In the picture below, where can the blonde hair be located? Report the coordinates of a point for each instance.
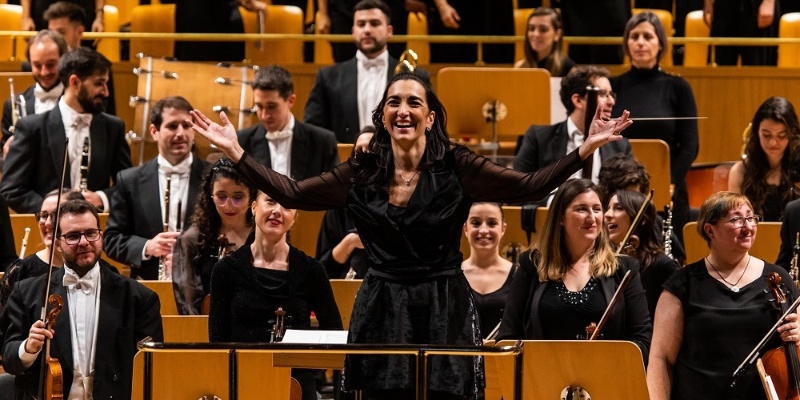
(551, 256)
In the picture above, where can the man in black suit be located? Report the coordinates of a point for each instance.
(542, 145)
(34, 162)
(280, 141)
(135, 229)
(344, 95)
(104, 315)
(43, 51)
(789, 229)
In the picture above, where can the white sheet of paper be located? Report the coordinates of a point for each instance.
(558, 112)
(314, 337)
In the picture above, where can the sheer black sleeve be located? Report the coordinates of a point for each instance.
(322, 192)
(487, 181)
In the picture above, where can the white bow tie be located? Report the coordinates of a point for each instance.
(81, 120)
(375, 62)
(180, 169)
(279, 135)
(84, 284)
(46, 96)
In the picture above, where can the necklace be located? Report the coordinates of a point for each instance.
(408, 181)
(734, 288)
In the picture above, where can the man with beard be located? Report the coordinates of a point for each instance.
(135, 232)
(43, 52)
(95, 335)
(344, 95)
(34, 162)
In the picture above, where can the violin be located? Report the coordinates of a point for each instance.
(630, 242)
(224, 246)
(783, 363)
(593, 330)
(631, 245)
(52, 376)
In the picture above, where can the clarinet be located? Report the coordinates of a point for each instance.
(162, 267)
(793, 271)
(666, 231)
(84, 184)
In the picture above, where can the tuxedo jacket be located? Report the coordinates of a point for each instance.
(135, 215)
(333, 101)
(30, 109)
(313, 149)
(129, 312)
(33, 166)
(543, 145)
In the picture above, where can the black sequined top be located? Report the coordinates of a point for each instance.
(565, 315)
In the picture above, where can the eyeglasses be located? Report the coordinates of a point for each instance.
(73, 238)
(605, 94)
(739, 221)
(42, 216)
(237, 199)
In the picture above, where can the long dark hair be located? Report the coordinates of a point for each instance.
(756, 165)
(649, 246)
(553, 62)
(205, 216)
(375, 168)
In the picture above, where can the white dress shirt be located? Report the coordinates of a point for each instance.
(371, 81)
(45, 101)
(574, 141)
(280, 148)
(76, 125)
(178, 192)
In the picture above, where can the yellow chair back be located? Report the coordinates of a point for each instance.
(521, 29)
(418, 25)
(110, 47)
(789, 54)
(11, 20)
(153, 18)
(280, 19)
(696, 54)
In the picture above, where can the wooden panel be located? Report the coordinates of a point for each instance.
(696, 54)
(259, 380)
(165, 294)
(11, 19)
(789, 54)
(345, 150)
(185, 328)
(209, 375)
(110, 47)
(153, 18)
(654, 155)
(22, 80)
(305, 231)
(765, 247)
(344, 292)
(280, 19)
(521, 29)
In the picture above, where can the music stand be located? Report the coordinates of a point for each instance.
(605, 369)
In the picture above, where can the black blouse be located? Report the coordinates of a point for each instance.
(490, 305)
(653, 278)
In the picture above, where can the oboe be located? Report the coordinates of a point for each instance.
(15, 112)
(24, 243)
(162, 268)
(666, 231)
(793, 271)
(85, 165)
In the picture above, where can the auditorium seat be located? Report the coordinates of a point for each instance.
(305, 231)
(521, 29)
(165, 294)
(654, 155)
(185, 328)
(280, 19)
(667, 20)
(323, 52)
(11, 20)
(107, 46)
(418, 25)
(789, 54)
(721, 173)
(125, 9)
(696, 54)
(155, 18)
(765, 247)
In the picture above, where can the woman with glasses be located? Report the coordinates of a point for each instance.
(713, 312)
(647, 91)
(543, 47)
(765, 172)
(221, 223)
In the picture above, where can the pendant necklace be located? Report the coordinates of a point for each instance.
(734, 288)
(408, 181)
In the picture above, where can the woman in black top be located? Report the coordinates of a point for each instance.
(222, 211)
(248, 287)
(489, 275)
(543, 45)
(566, 282)
(647, 91)
(655, 266)
(409, 198)
(713, 312)
(765, 173)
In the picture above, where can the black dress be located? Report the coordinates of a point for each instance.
(653, 278)
(655, 93)
(244, 299)
(490, 305)
(531, 312)
(208, 16)
(415, 291)
(720, 328)
(772, 209)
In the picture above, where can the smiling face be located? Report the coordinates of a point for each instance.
(174, 136)
(44, 63)
(774, 138)
(618, 221)
(542, 36)
(484, 227)
(406, 115)
(727, 238)
(82, 256)
(46, 224)
(91, 91)
(583, 219)
(370, 31)
(644, 46)
(231, 200)
(272, 220)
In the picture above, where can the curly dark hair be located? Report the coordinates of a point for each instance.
(205, 216)
(376, 167)
(649, 244)
(621, 171)
(756, 164)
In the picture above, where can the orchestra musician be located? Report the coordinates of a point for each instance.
(222, 209)
(105, 314)
(29, 171)
(543, 45)
(713, 312)
(248, 286)
(135, 234)
(568, 279)
(415, 277)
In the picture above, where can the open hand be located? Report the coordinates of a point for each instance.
(223, 136)
(450, 17)
(602, 132)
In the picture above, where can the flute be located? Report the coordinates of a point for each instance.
(84, 183)
(24, 243)
(162, 268)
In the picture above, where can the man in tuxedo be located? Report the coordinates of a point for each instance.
(43, 52)
(34, 162)
(296, 149)
(104, 315)
(344, 95)
(542, 145)
(135, 232)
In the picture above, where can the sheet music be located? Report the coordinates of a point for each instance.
(314, 337)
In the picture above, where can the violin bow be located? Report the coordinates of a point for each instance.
(635, 221)
(623, 284)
